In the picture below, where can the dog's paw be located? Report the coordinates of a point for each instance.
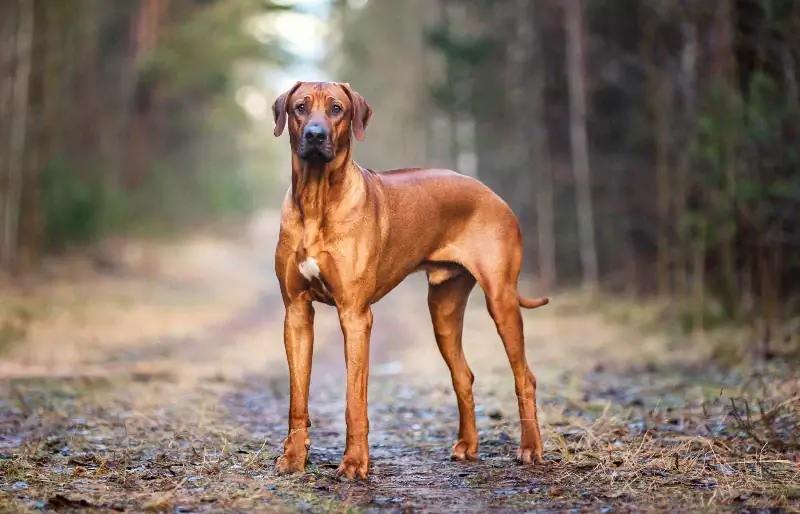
(463, 451)
(529, 456)
(288, 464)
(353, 466)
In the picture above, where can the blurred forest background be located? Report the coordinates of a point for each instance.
(649, 147)
(127, 116)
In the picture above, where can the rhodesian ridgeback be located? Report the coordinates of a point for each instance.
(350, 235)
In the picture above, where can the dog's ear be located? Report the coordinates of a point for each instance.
(362, 112)
(279, 109)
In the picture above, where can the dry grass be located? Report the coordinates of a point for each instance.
(169, 399)
(84, 447)
(113, 458)
(137, 446)
(708, 455)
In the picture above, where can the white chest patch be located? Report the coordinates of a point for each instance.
(309, 268)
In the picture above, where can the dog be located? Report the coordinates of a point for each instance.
(349, 235)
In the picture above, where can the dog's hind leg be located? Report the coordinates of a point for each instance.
(497, 272)
(447, 302)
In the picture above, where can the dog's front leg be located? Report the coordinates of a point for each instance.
(356, 325)
(298, 338)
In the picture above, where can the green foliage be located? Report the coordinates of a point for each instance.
(71, 206)
(170, 201)
(195, 166)
(747, 173)
(779, 14)
(772, 163)
(227, 194)
(750, 133)
(216, 31)
(462, 51)
(464, 55)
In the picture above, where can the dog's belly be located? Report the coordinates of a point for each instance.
(440, 272)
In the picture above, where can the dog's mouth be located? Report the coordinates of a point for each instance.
(316, 153)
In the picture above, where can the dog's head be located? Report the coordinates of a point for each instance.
(321, 116)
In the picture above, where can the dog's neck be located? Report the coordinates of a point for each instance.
(318, 186)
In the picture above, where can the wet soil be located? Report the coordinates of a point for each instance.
(189, 416)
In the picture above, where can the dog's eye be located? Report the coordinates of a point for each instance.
(301, 108)
(336, 109)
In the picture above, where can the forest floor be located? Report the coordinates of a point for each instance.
(162, 386)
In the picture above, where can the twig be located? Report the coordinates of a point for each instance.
(746, 426)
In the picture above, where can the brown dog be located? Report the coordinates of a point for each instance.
(350, 235)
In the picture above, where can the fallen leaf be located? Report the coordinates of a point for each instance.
(59, 502)
(85, 460)
(160, 503)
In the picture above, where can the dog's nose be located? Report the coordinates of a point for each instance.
(315, 134)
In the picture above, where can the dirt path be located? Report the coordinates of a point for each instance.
(173, 397)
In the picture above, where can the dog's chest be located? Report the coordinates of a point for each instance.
(313, 261)
(310, 270)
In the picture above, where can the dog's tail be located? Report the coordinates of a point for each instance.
(528, 303)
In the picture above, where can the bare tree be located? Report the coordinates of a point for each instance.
(726, 68)
(687, 87)
(8, 23)
(573, 20)
(452, 111)
(539, 152)
(18, 129)
(659, 94)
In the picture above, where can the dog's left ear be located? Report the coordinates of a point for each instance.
(362, 112)
(280, 107)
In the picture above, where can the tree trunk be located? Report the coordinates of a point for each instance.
(87, 131)
(18, 131)
(726, 67)
(657, 99)
(36, 151)
(688, 85)
(545, 226)
(699, 280)
(452, 111)
(769, 285)
(8, 27)
(580, 147)
(661, 100)
(538, 150)
(147, 23)
(490, 110)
